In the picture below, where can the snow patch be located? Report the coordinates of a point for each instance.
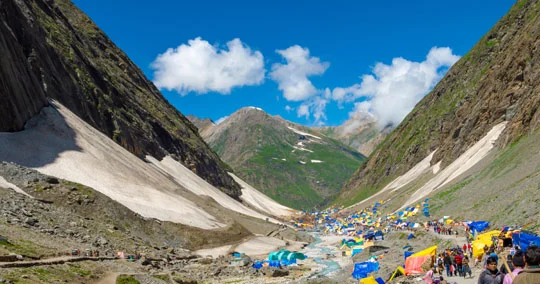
(303, 133)
(256, 108)
(199, 186)
(284, 159)
(302, 162)
(466, 161)
(316, 161)
(58, 143)
(436, 168)
(411, 175)
(301, 149)
(6, 184)
(260, 201)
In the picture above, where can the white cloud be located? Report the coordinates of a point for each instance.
(221, 120)
(303, 110)
(292, 78)
(393, 90)
(288, 108)
(315, 106)
(200, 67)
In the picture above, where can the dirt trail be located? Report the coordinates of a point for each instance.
(52, 261)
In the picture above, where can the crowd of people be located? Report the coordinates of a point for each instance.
(519, 267)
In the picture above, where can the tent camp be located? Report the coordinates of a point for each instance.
(413, 263)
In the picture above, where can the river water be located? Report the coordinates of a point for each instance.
(324, 253)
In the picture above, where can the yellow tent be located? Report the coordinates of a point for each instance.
(486, 237)
(429, 251)
(478, 248)
(369, 280)
(449, 221)
(483, 240)
(398, 272)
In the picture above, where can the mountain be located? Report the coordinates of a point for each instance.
(86, 136)
(469, 142)
(203, 125)
(292, 164)
(361, 132)
(51, 49)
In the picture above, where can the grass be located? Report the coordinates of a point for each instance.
(300, 186)
(126, 279)
(164, 277)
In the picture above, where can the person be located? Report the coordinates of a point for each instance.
(531, 273)
(442, 281)
(465, 248)
(440, 264)
(447, 263)
(465, 267)
(510, 265)
(518, 263)
(458, 259)
(491, 275)
(429, 276)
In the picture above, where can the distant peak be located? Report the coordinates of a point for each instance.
(255, 108)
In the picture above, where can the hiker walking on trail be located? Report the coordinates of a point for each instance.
(531, 273)
(518, 263)
(440, 264)
(459, 261)
(466, 268)
(491, 275)
(447, 263)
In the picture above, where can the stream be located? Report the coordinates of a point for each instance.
(318, 251)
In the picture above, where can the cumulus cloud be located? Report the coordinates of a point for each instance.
(200, 67)
(292, 77)
(315, 107)
(392, 91)
(288, 108)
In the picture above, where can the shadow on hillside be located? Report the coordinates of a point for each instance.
(45, 137)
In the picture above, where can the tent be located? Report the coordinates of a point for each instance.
(282, 255)
(524, 240)
(371, 280)
(413, 264)
(368, 280)
(398, 272)
(362, 269)
(478, 226)
(483, 240)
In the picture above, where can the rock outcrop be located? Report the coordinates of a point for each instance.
(51, 49)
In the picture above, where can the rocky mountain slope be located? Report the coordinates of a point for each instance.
(360, 132)
(51, 49)
(290, 163)
(488, 98)
(78, 111)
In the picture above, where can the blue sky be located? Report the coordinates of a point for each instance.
(312, 62)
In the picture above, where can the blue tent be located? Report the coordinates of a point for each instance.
(479, 226)
(408, 253)
(362, 269)
(524, 240)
